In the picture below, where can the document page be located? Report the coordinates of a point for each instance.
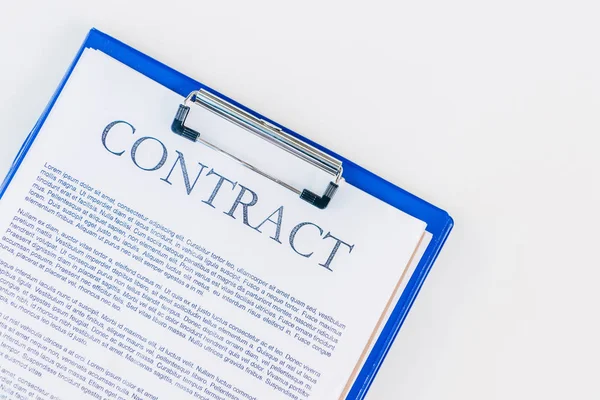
(135, 264)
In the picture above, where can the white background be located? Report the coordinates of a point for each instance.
(487, 109)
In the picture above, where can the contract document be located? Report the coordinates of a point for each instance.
(135, 264)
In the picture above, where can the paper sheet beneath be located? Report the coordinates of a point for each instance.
(396, 297)
(136, 264)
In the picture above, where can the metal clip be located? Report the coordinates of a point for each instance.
(267, 131)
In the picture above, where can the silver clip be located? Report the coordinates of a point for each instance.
(267, 131)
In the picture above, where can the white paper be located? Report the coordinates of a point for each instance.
(180, 282)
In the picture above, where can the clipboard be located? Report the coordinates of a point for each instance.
(439, 223)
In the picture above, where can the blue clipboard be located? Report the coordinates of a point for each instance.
(439, 223)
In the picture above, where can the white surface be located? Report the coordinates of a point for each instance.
(499, 104)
